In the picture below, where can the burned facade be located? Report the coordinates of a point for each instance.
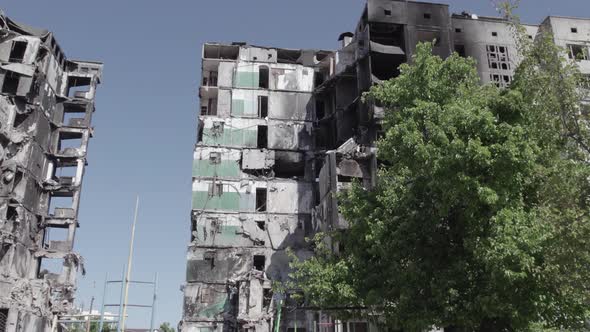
(46, 105)
(281, 131)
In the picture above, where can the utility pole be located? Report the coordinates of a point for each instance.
(89, 315)
(128, 275)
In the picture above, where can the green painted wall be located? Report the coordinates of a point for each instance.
(231, 137)
(241, 107)
(226, 168)
(226, 235)
(214, 309)
(228, 201)
(246, 79)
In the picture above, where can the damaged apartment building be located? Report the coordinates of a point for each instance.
(46, 105)
(281, 131)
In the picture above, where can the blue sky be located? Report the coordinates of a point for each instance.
(147, 105)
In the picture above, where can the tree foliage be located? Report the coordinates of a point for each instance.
(165, 327)
(480, 216)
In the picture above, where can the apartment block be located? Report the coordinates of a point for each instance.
(46, 107)
(282, 131)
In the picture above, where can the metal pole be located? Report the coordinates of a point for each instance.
(154, 302)
(121, 301)
(129, 259)
(89, 315)
(104, 294)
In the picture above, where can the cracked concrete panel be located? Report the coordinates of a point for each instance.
(231, 132)
(289, 197)
(290, 135)
(290, 106)
(249, 230)
(258, 54)
(205, 302)
(217, 162)
(246, 103)
(258, 159)
(225, 74)
(218, 195)
(291, 78)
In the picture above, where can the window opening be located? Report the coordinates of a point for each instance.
(387, 12)
(216, 189)
(263, 75)
(17, 53)
(494, 34)
(215, 157)
(11, 81)
(262, 137)
(259, 262)
(263, 106)
(498, 57)
(266, 297)
(260, 199)
(427, 16)
(574, 30)
(577, 52)
(460, 49)
(320, 110)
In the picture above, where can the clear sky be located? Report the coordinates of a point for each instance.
(147, 105)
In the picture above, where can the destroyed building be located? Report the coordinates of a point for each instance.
(281, 131)
(46, 106)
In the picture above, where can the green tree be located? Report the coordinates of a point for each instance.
(479, 220)
(165, 327)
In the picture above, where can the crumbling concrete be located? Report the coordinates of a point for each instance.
(282, 131)
(46, 105)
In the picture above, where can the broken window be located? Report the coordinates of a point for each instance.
(73, 115)
(501, 81)
(577, 52)
(215, 158)
(78, 86)
(3, 319)
(262, 137)
(263, 77)
(460, 49)
(210, 79)
(10, 85)
(69, 140)
(429, 36)
(210, 258)
(215, 189)
(49, 267)
(17, 53)
(498, 57)
(209, 107)
(261, 224)
(260, 199)
(263, 106)
(266, 297)
(259, 262)
(60, 202)
(320, 110)
(318, 79)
